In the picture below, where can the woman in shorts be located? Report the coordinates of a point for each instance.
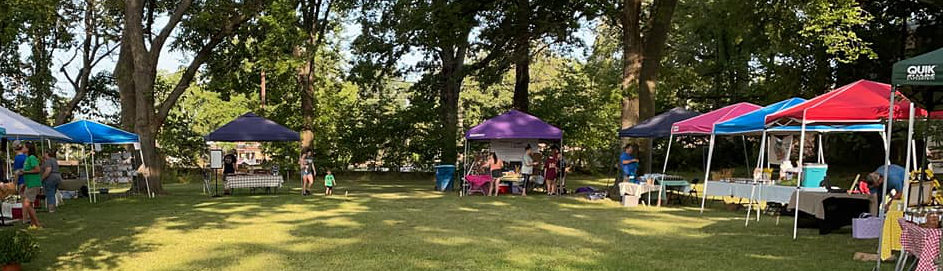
(307, 171)
(33, 183)
(496, 166)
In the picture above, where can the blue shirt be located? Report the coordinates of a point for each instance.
(895, 179)
(630, 168)
(18, 161)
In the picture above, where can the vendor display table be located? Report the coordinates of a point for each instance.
(253, 181)
(728, 189)
(627, 188)
(832, 211)
(921, 242)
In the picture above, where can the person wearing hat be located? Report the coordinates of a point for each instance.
(895, 180)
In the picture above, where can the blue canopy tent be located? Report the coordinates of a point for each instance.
(88, 132)
(252, 128)
(749, 123)
(658, 126)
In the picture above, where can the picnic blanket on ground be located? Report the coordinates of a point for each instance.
(924, 243)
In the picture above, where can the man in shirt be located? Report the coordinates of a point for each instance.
(629, 163)
(229, 168)
(895, 180)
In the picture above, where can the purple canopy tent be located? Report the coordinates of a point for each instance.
(513, 125)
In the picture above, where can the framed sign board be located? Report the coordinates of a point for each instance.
(216, 159)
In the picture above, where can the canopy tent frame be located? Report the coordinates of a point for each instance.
(506, 127)
(658, 126)
(713, 117)
(916, 71)
(93, 139)
(233, 132)
(749, 123)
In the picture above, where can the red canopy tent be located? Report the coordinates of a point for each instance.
(861, 101)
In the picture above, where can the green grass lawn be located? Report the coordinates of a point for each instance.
(404, 225)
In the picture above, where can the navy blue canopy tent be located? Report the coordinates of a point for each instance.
(660, 125)
(88, 132)
(252, 128)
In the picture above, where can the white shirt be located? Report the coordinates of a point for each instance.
(527, 166)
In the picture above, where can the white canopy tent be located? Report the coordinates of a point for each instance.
(20, 127)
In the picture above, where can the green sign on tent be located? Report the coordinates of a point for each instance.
(922, 70)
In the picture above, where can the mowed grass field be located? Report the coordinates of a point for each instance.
(404, 225)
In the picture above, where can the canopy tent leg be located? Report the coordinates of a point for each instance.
(92, 177)
(88, 178)
(147, 171)
(465, 168)
(910, 153)
(746, 156)
(750, 205)
(761, 157)
(664, 168)
(887, 163)
(821, 153)
(795, 223)
(561, 176)
(9, 163)
(707, 172)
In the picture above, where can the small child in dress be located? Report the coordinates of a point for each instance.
(329, 184)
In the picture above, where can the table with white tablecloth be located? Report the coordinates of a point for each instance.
(763, 192)
(254, 181)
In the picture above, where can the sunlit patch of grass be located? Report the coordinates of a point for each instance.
(403, 225)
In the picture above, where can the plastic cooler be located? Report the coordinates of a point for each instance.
(443, 177)
(813, 174)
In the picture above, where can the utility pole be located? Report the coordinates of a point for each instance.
(263, 92)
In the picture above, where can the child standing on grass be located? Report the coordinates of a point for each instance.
(329, 184)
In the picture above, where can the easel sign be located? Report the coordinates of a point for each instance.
(216, 159)
(216, 162)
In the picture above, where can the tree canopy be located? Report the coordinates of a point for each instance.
(392, 84)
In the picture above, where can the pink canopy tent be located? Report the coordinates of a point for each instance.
(704, 123)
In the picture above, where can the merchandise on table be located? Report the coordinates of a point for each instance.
(117, 169)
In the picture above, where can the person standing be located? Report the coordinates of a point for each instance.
(629, 164)
(33, 183)
(496, 166)
(51, 179)
(527, 169)
(229, 168)
(308, 171)
(329, 184)
(18, 161)
(551, 170)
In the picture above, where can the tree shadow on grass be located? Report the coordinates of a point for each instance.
(405, 226)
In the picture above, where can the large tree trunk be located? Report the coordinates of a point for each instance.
(631, 59)
(452, 75)
(40, 80)
(653, 49)
(137, 69)
(522, 56)
(307, 105)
